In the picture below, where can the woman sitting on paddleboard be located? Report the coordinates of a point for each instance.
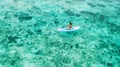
(70, 25)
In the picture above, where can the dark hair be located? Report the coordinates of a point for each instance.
(70, 23)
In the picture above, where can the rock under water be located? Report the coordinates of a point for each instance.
(29, 35)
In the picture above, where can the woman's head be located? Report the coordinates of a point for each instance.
(70, 23)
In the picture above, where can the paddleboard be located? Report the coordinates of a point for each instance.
(68, 30)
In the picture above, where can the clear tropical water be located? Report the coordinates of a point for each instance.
(29, 36)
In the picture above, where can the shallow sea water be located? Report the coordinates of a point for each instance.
(29, 36)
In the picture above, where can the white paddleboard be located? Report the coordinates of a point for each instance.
(68, 30)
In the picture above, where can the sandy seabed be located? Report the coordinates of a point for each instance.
(29, 36)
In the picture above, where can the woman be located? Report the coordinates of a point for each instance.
(70, 25)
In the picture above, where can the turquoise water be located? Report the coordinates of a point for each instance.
(29, 36)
